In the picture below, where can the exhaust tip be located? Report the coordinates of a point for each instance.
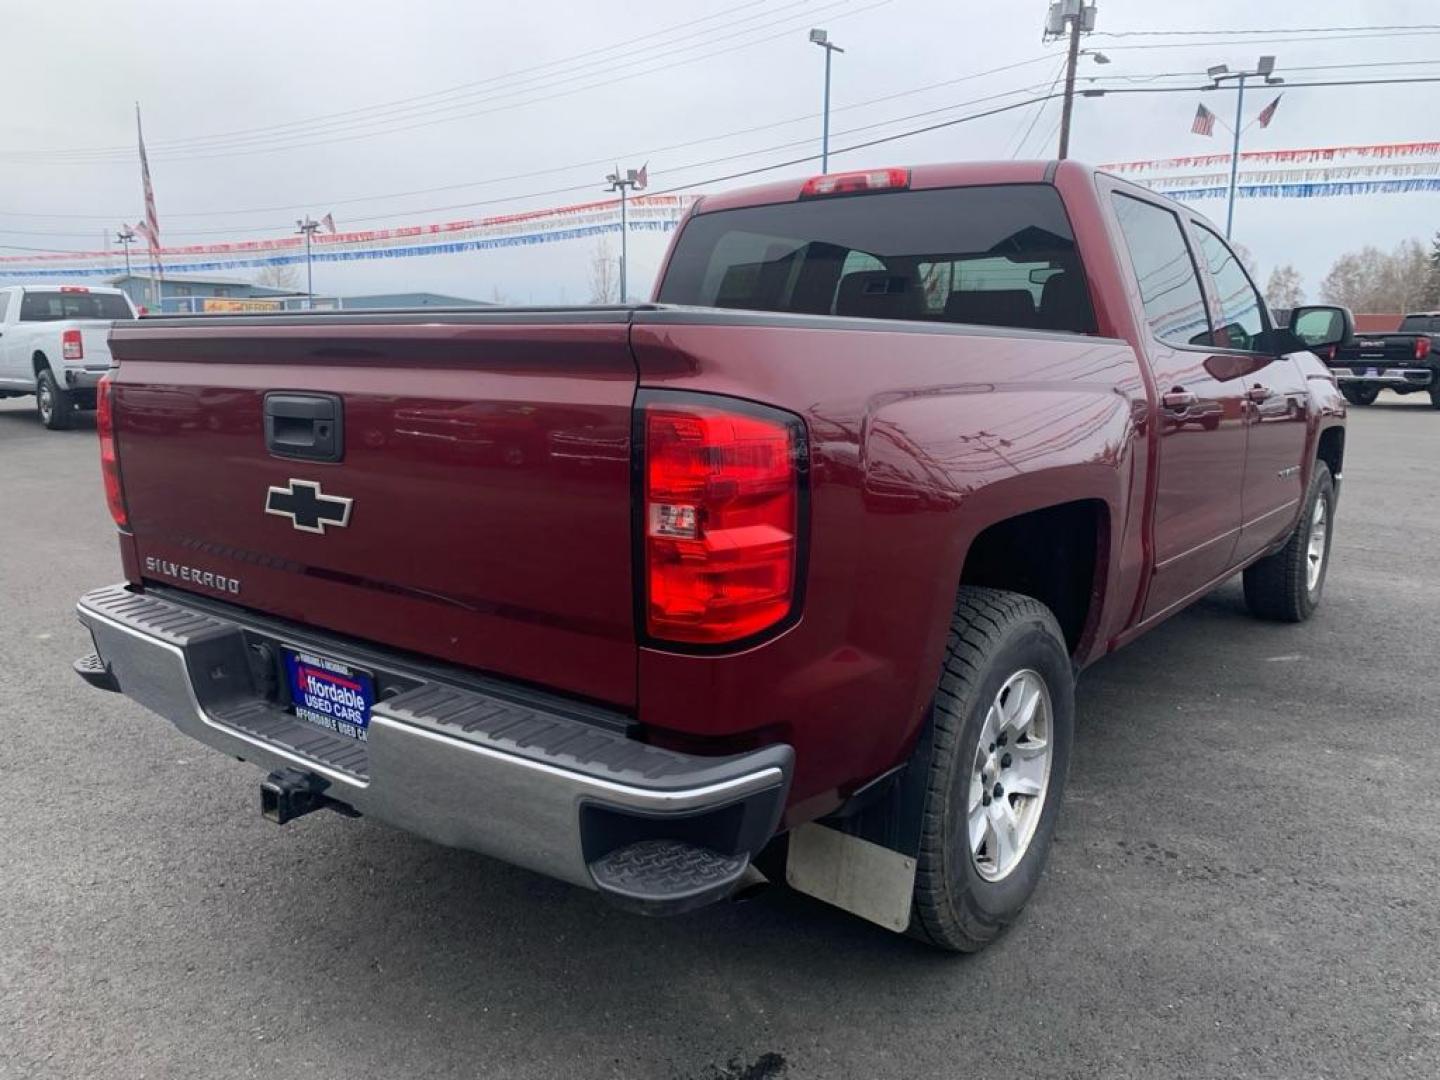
(751, 884)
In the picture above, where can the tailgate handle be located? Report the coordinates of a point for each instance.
(310, 427)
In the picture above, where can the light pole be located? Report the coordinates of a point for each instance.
(126, 237)
(1218, 74)
(308, 227)
(821, 38)
(632, 180)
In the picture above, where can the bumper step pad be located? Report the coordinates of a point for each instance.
(93, 670)
(667, 877)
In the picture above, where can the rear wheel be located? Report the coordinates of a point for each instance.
(1286, 586)
(1435, 390)
(1360, 395)
(53, 405)
(1002, 717)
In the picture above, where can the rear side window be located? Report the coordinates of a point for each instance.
(1165, 272)
(53, 306)
(1420, 324)
(999, 256)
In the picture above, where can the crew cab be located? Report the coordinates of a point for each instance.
(53, 344)
(1407, 361)
(792, 568)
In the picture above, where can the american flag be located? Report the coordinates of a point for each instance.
(1268, 113)
(329, 222)
(1204, 121)
(151, 227)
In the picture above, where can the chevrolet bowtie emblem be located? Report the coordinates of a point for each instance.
(307, 507)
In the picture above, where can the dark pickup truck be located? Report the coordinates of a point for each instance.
(794, 566)
(1407, 361)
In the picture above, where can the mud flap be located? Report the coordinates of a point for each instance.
(855, 875)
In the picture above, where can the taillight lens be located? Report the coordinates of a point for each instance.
(109, 461)
(72, 346)
(722, 490)
(1422, 348)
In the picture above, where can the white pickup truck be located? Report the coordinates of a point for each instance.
(53, 345)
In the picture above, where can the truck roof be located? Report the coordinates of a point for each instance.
(952, 174)
(61, 286)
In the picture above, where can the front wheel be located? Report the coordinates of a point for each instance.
(1002, 719)
(52, 404)
(1360, 395)
(1286, 586)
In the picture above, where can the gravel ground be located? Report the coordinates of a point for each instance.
(1245, 882)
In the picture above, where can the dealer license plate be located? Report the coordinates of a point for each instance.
(330, 694)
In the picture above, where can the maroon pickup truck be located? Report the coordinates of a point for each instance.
(796, 564)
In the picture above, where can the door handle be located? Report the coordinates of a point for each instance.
(310, 427)
(1178, 400)
(1257, 394)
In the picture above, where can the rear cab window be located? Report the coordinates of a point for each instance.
(1001, 255)
(1420, 324)
(47, 306)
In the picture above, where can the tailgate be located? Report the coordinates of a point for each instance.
(95, 337)
(1379, 350)
(486, 460)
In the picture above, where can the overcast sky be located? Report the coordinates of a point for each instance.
(550, 97)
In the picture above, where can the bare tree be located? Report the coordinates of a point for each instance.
(1284, 289)
(1242, 253)
(281, 276)
(604, 274)
(1371, 280)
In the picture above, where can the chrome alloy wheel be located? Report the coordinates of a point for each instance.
(1010, 776)
(1315, 550)
(45, 401)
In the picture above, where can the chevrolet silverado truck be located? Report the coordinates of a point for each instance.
(793, 566)
(53, 345)
(1407, 361)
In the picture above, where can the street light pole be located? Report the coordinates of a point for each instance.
(631, 180)
(308, 227)
(126, 237)
(822, 38)
(1220, 73)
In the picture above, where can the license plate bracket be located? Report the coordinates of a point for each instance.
(330, 694)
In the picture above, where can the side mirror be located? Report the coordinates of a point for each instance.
(1322, 325)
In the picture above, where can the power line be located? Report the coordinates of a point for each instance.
(343, 130)
(894, 137)
(1272, 30)
(1271, 41)
(1059, 74)
(554, 169)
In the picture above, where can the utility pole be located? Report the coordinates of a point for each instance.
(1264, 68)
(632, 180)
(1072, 18)
(822, 38)
(126, 237)
(308, 227)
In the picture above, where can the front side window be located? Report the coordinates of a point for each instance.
(1165, 272)
(1001, 255)
(1241, 320)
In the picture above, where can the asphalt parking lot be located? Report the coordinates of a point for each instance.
(1246, 881)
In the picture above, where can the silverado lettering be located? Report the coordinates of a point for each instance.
(794, 566)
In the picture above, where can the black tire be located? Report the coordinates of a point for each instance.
(1435, 390)
(1278, 587)
(994, 636)
(1360, 395)
(52, 404)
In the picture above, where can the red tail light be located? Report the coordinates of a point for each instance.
(852, 183)
(109, 461)
(72, 345)
(722, 517)
(1422, 347)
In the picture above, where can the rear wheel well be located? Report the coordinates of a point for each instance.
(39, 362)
(1332, 449)
(1051, 555)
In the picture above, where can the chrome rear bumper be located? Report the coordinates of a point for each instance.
(535, 781)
